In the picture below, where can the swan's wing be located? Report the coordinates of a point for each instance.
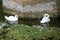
(43, 20)
(48, 20)
(11, 16)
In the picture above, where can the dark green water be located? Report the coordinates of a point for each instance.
(55, 21)
(36, 21)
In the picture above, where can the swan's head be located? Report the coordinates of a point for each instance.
(46, 15)
(16, 16)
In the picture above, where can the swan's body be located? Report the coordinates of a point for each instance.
(45, 19)
(12, 19)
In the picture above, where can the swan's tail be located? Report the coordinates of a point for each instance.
(6, 17)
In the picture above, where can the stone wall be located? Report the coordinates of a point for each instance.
(29, 6)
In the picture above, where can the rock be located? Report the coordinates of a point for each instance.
(29, 6)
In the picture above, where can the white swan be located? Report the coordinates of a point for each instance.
(12, 19)
(45, 19)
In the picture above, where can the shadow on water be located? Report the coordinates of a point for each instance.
(29, 21)
(58, 6)
(36, 21)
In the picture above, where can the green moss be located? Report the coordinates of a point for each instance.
(28, 33)
(25, 32)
